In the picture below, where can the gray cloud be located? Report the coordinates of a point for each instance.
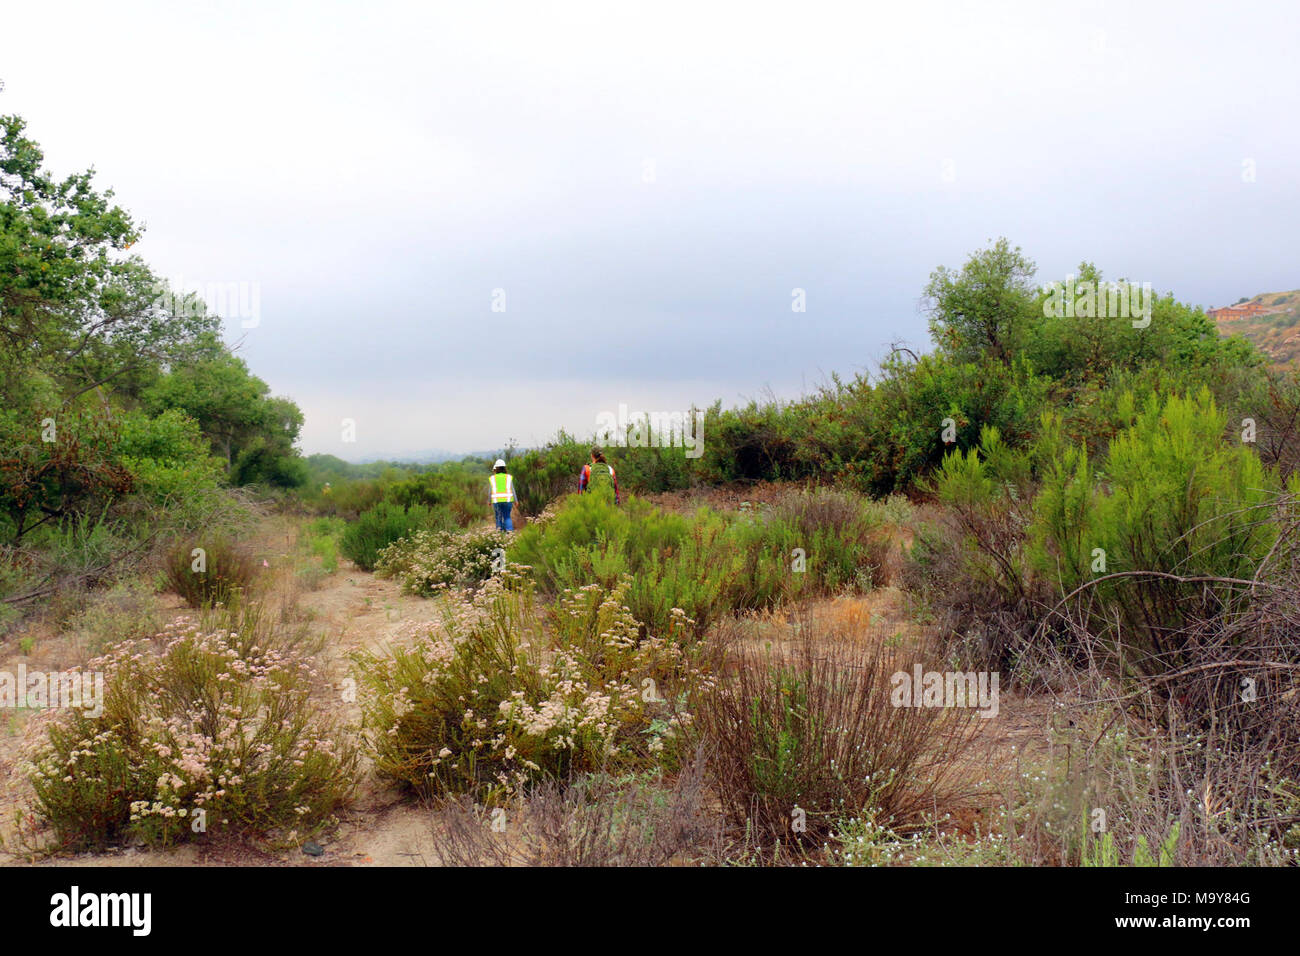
(649, 182)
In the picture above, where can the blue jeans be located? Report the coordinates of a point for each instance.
(501, 509)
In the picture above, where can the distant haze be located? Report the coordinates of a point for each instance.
(648, 183)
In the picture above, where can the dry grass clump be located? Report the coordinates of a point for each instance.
(803, 737)
(208, 571)
(593, 820)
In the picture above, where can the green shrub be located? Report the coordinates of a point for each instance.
(674, 562)
(347, 499)
(199, 739)
(75, 555)
(842, 537)
(326, 527)
(327, 550)
(379, 527)
(703, 577)
(319, 539)
(580, 522)
(1175, 502)
(653, 468)
(167, 455)
(760, 442)
(493, 700)
(705, 564)
(318, 546)
(452, 488)
(1102, 851)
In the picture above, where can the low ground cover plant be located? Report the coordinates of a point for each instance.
(208, 736)
(500, 694)
(427, 562)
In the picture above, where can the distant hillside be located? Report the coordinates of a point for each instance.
(332, 468)
(1271, 320)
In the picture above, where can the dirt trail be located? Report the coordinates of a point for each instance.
(360, 612)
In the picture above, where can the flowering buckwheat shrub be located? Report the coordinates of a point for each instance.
(431, 561)
(501, 695)
(202, 738)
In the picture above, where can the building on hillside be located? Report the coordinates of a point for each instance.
(1230, 313)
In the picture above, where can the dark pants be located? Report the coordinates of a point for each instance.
(501, 509)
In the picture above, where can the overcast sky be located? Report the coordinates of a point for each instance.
(648, 183)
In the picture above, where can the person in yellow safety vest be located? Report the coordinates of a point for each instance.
(501, 492)
(599, 477)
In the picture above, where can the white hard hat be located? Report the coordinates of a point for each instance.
(500, 463)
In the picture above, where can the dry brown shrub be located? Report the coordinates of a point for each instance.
(811, 726)
(593, 820)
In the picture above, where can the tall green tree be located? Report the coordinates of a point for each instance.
(76, 311)
(983, 310)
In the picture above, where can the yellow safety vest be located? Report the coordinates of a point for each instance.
(503, 487)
